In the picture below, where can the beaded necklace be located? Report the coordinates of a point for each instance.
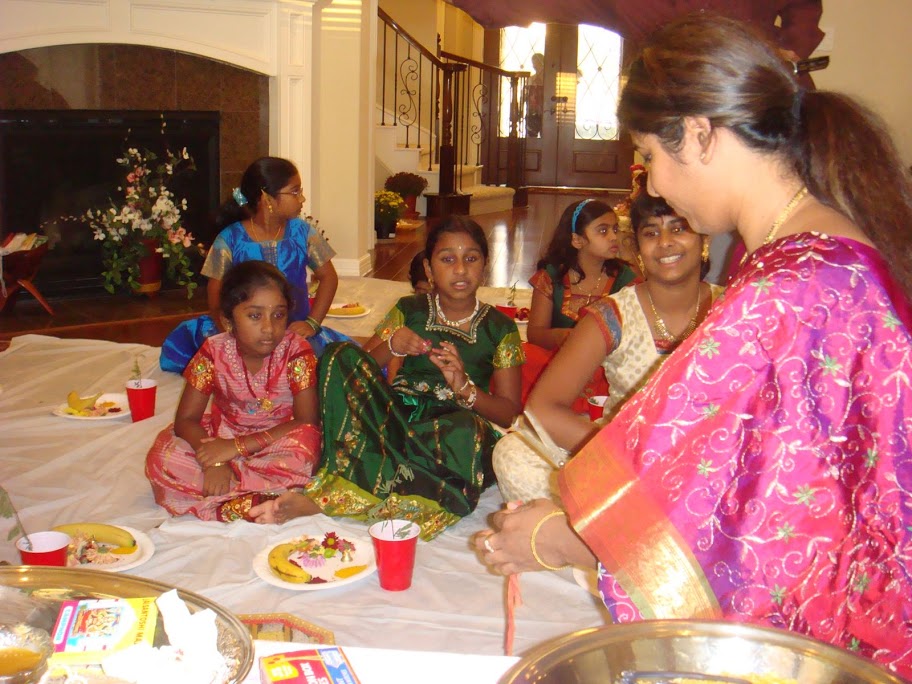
(461, 321)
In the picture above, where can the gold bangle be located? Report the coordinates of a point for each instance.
(535, 531)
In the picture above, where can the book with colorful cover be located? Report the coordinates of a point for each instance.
(88, 630)
(327, 665)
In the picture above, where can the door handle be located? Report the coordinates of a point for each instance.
(560, 98)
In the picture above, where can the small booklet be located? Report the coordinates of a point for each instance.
(88, 630)
(325, 665)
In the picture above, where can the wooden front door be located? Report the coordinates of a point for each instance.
(572, 137)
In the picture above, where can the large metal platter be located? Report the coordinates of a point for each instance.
(53, 585)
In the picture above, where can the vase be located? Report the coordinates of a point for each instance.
(151, 267)
(385, 228)
(410, 212)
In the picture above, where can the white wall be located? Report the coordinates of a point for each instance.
(871, 59)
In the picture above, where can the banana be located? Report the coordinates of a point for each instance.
(348, 310)
(284, 568)
(122, 541)
(77, 403)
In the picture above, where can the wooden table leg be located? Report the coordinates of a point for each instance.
(27, 284)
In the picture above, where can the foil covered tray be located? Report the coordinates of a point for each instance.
(42, 589)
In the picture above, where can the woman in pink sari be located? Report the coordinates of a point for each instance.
(261, 436)
(764, 475)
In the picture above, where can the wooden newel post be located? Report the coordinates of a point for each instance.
(447, 151)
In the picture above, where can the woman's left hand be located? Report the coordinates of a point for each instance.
(506, 548)
(446, 358)
(302, 328)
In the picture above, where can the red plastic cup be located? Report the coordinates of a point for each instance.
(47, 548)
(141, 397)
(395, 542)
(509, 310)
(597, 407)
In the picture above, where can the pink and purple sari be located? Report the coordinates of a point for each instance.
(765, 473)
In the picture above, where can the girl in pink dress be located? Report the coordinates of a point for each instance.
(261, 436)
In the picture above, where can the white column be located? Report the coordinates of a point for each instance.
(343, 145)
(291, 90)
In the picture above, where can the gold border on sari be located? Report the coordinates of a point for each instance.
(633, 538)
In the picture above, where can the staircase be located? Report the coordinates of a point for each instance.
(438, 116)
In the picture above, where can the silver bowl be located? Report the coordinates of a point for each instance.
(651, 651)
(30, 639)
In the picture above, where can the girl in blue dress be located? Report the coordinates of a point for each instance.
(262, 222)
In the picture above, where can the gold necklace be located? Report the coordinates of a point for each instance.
(662, 329)
(461, 321)
(262, 231)
(265, 403)
(777, 224)
(593, 293)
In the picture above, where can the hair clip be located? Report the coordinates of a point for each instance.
(239, 197)
(576, 213)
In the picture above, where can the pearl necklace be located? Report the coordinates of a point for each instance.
(454, 324)
(662, 329)
(777, 224)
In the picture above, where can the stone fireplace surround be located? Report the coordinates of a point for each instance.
(294, 46)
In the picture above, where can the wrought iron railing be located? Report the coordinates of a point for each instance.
(450, 108)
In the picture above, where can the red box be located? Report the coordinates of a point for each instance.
(326, 665)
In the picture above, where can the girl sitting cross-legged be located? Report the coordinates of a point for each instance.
(436, 420)
(262, 435)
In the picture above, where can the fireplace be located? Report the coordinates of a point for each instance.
(55, 164)
(66, 112)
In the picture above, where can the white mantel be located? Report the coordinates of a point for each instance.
(319, 55)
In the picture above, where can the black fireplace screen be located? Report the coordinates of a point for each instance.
(56, 164)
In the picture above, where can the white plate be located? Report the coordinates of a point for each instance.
(120, 400)
(342, 317)
(363, 555)
(144, 550)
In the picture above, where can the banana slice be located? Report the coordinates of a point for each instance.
(354, 309)
(283, 568)
(77, 403)
(121, 541)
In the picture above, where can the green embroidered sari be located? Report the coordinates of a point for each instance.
(371, 427)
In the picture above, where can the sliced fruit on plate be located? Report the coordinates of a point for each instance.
(78, 403)
(352, 309)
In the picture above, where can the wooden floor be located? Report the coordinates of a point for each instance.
(515, 239)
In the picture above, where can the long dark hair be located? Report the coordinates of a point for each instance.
(561, 254)
(455, 223)
(269, 174)
(718, 68)
(243, 279)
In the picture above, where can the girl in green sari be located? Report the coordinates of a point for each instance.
(422, 442)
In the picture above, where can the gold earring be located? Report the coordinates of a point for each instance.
(641, 265)
(704, 256)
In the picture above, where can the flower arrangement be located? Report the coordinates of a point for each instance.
(383, 511)
(388, 206)
(147, 219)
(406, 184)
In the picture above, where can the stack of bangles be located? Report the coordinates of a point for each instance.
(312, 322)
(389, 343)
(535, 532)
(469, 401)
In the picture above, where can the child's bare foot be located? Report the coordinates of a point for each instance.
(286, 507)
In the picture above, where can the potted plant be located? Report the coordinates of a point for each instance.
(388, 207)
(142, 234)
(409, 186)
